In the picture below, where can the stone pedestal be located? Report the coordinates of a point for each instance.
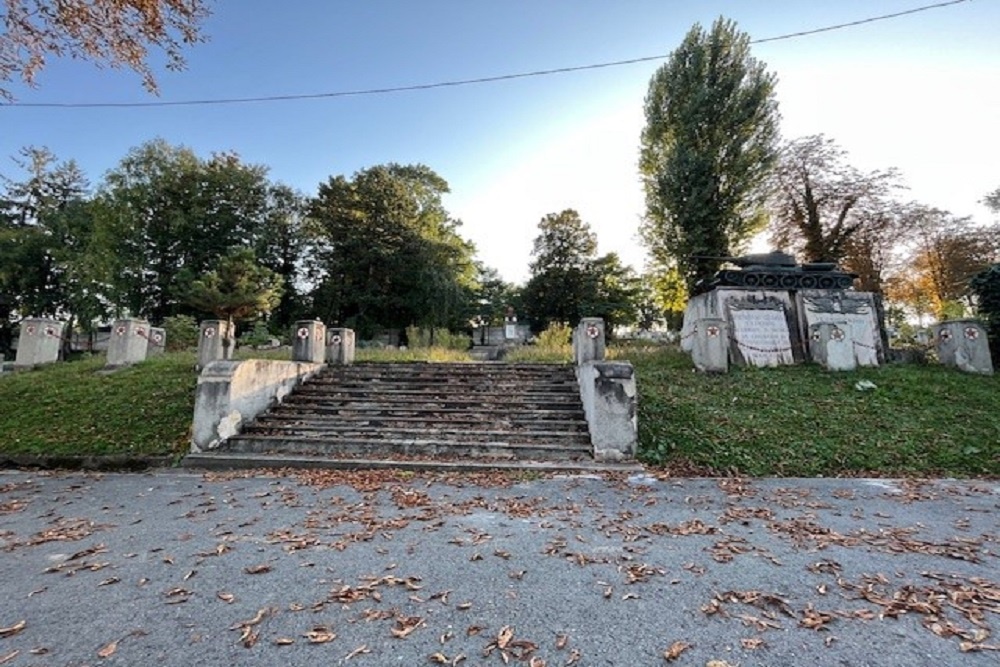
(309, 341)
(216, 342)
(340, 347)
(831, 345)
(963, 344)
(129, 342)
(39, 342)
(710, 345)
(157, 341)
(588, 340)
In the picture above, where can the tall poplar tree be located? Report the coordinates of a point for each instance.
(707, 148)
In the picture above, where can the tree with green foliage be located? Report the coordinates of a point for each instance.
(281, 246)
(238, 289)
(386, 254)
(569, 281)
(707, 149)
(985, 286)
(562, 255)
(163, 210)
(47, 260)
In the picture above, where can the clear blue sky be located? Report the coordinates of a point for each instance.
(919, 92)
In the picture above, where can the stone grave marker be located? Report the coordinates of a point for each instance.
(129, 342)
(39, 343)
(710, 348)
(832, 345)
(856, 310)
(963, 344)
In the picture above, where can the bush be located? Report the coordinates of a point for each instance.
(557, 337)
(421, 338)
(258, 335)
(182, 332)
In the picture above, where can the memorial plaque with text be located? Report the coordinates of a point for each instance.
(761, 335)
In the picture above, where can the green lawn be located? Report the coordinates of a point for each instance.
(802, 420)
(68, 409)
(920, 420)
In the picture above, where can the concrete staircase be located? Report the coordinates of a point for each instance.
(421, 415)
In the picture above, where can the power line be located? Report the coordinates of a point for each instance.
(455, 83)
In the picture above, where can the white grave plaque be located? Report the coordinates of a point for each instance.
(761, 335)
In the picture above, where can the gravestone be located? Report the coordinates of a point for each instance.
(588, 340)
(157, 341)
(215, 342)
(309, 341)
(831, 344)
(129, 342)
(40, 341)
(340, 347)
(710, 345)
(855, 310)
(963, 344)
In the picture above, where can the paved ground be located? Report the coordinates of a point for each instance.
(386, 569)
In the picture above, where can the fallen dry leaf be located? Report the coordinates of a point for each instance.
(283, 641)
(406, 625)
(504, 636)
(675, 650)
(718, 663)
(561, 641)
(13, 630)
(574, 657)
(10, 656)
(226, 597)
(257, 569)
(536, 662)
(358, 651)
(439, 658)
(752, 643)
(320, 635)
(108, 650)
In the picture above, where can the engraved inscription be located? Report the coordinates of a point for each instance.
(762, 336)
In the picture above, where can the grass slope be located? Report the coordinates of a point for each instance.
(804, 421)
(794, 421)
(71, 408)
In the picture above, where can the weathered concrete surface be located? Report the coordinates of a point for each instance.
(231, 393)
(129, 342)
(710, 346)
(216, 342)
(964, 344)
(309, 341)
(340, 346)
(768, 572)
(610, 402)
(589, 340)
(39, 342)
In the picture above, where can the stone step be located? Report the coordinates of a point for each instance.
(221, 460)
(346, 430)
(388, 447)
(548, 420)
(466, 384)
(377, 400)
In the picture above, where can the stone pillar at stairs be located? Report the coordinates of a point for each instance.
(340, 347)
(309, 341)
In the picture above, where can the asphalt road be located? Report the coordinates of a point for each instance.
(363, 569)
